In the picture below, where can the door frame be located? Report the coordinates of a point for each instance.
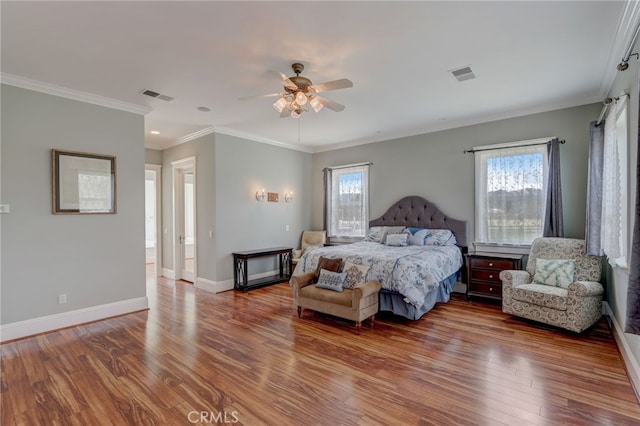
(178, 168)
(158, 187)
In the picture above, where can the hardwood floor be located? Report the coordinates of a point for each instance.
(245, 358)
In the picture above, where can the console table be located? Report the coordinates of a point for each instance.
(241, 265)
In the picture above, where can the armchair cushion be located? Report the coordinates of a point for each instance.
(554, 272)
(331, 280)
(332, 265)
(356, 274)
(542, 295)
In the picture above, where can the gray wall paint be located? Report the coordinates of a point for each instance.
(93, 259)
(203, 150)
(152, 156)
(617, 278)
(242, 223)
(433, 165)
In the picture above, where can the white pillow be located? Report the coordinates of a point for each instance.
(417, 239)
(440, 237)
(397, 240)
(331, 280)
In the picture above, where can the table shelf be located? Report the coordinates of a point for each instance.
(241, 259)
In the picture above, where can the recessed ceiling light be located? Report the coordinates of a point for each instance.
(204, 109)
(154, 132)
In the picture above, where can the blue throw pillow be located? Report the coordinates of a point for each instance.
(331, 280)
(414, 230)
(417, 239)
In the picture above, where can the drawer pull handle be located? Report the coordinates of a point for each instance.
(490, 263)
(490, 288)
(490, 276)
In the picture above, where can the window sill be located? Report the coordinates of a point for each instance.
(496, 248)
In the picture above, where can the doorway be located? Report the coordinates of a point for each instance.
(153, 237)
(184, 214)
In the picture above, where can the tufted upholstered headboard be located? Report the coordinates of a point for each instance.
(417, 212)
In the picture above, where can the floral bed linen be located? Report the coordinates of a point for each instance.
(413, 271)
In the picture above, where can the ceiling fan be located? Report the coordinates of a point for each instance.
(300, 94)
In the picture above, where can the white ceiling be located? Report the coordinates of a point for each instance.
(528, 57)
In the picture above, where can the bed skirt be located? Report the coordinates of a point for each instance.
(393, 301)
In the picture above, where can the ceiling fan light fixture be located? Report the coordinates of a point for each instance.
(280, 104)
(315, 104)
(301, 98)
(296, 113)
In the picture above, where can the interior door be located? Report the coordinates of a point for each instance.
(184, 208)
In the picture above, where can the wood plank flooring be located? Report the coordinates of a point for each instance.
(245, 358)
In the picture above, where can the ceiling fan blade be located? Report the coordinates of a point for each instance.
(330, 104)
(270, 95)
(287, 82)
(343, 83)
(285, 113)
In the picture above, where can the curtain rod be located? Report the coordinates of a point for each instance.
(607, 103)
(466, 151)
(348, 165)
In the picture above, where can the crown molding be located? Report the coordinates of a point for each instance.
(255, 138)
(629, 21)
(196, 135)
(76, 95)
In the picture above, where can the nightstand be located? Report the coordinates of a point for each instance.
(483, 274)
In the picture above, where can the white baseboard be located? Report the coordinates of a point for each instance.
(633, 369)
(20, 329)
(168, 273)
(214, 286)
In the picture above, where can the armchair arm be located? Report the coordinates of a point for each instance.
(512, 278)
(302, 280)
(297, 253)
(364, 290)
(585, 288)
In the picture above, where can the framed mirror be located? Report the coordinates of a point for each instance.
(83, 183)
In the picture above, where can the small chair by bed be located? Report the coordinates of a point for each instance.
(309, 239)
(573, 303)
(355, 304)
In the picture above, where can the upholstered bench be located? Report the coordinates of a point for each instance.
(355, 304)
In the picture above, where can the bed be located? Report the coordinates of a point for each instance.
(413, 278)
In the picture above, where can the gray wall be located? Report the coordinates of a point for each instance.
(93, 259)
(242, 223)
(229, 171)
(152, 156)
(434, 166)
(203, 150)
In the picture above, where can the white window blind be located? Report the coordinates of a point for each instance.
(347, 201)
(614, 232)
(511, 186)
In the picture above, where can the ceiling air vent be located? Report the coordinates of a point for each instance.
(156, 95)
(463, 74)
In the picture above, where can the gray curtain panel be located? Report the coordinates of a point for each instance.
(594, 190)
(633, 291)
(553, 225)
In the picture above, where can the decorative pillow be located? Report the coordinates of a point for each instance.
(417, 239)
(356, 274)
(414, 230)
(331, 280)
(439, 237)
(332, 265)
(397, 240)
(376, 234)
(558, 273)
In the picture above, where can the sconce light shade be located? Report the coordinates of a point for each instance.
(260, 194)
(288, 197)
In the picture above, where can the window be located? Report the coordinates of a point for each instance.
(347, 201)
(614, 232)
(511, 187)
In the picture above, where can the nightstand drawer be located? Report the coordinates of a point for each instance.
(499, 264)
(485, 275)
(485, 289)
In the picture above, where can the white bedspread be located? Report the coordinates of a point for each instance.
(413, 271)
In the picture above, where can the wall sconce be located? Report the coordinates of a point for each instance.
(288, 197)
(260, 194)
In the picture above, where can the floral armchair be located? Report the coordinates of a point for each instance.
(574, 304)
